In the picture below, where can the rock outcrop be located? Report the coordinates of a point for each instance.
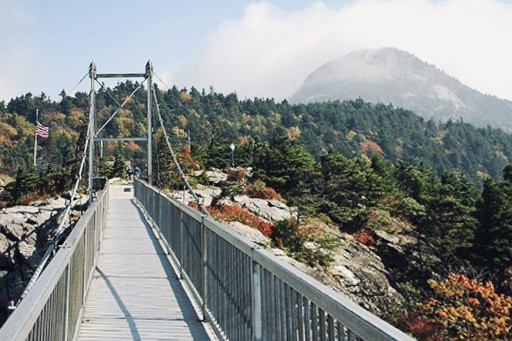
(24, 234)
(270, 210)
(357, 272)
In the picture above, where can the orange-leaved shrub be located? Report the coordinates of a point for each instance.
(258, 189)
(187, 162)
(469, 309)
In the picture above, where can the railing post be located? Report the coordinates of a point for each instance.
(182, 240)
(256, 300)
(66, 316)
(84, 269)
(204, 251)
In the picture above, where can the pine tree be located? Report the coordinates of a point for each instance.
(453, 218)
(286, 163)
(493, 238)
(119, 169)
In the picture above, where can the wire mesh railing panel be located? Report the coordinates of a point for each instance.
(229, 287)
(191, 259)
(76, 281)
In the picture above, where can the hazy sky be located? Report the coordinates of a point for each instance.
(255, 48)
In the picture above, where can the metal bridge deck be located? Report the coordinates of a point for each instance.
(135, 294)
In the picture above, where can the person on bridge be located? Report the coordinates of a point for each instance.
(129, 171)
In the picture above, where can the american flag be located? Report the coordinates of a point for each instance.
(41, 130)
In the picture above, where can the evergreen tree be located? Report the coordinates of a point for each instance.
(493, 238)
(349, 187)
(286, 163)
(453, 218)
(119, 168)
(162, 174)
(25, 183)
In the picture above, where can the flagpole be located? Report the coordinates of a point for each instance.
(35, 139)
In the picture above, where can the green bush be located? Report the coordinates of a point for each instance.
(307, 243)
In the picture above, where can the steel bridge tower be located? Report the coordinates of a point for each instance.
(94, 134)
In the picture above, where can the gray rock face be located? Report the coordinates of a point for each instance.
(21, 210)
(216, 176)
(206, 195)
(271, 210)
(359, 274)
(249, 233)
(24, 231)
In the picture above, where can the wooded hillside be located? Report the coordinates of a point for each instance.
(361, 167)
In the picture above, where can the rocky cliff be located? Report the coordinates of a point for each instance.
(357, 271)
(24, 234)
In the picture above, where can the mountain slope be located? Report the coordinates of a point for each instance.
(388, 75)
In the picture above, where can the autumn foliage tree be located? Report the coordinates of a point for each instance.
(468, 309)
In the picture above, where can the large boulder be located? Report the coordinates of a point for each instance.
(216, 176)
(205, 195)
(29, 254)
(249, 233)
(270, 210)
(13, 231)
(359, 273)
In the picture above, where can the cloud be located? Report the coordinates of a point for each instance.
(269, 52)
(18, 54)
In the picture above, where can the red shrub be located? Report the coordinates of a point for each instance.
(421, 327)
(236, 213)
(29, 198)
(371, 145)
(365, 237)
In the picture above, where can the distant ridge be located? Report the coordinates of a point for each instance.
(389, 75)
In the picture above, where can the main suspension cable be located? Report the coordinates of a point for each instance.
(60, 229)
(79, 82)
(175, 159)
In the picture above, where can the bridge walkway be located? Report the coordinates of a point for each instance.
(135, 294)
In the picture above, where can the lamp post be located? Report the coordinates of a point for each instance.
(232, 147)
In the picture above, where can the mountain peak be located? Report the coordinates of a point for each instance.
(390, 75)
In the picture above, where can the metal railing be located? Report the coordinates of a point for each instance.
(245, 291)
(52, 308)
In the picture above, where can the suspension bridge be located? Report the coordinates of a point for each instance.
(139, 265)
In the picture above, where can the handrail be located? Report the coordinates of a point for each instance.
(248, 293)
(52, 308)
